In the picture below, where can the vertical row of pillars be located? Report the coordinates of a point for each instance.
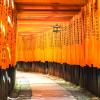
(7, 81)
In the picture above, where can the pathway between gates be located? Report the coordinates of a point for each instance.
(35, 86)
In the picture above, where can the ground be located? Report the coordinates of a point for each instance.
(35, 86)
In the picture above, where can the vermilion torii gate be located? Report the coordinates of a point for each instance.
(32, 45)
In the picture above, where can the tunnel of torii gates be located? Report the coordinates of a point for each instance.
(56, 37)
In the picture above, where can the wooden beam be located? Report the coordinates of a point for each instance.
(48, 7)
(44, 14)
(52, 1)
(47, 12)
(45, 19)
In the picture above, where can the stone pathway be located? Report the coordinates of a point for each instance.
(34, 86)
